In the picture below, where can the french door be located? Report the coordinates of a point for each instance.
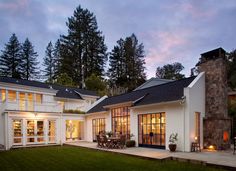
(98, 126)
(152, 130)
(17, 132)
(35, 132)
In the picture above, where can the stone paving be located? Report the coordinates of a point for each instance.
(215, 158)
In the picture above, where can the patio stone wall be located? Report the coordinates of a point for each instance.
(216, 120)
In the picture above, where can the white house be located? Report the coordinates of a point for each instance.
(152, 114)
(35, 113)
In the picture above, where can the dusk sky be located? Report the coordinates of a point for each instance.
(171, 31)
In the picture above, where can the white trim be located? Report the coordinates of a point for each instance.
(195, 80)
(155, 104)
(19, 87)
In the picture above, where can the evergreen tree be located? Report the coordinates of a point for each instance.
(126, 67)
(57, 59)
(232, 69)
(10, 58)
(29, 69)
(48, 63)
(83, 50)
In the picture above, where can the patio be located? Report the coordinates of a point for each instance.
(224, 159)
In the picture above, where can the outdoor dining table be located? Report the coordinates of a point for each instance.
(113, 141)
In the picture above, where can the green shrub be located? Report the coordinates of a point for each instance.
(73, 111)
(130, 143)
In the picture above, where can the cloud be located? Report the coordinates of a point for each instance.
(173, 30)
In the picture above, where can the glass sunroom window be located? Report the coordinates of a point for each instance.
(3, 93)
(121, 121)
(11, 95)
(39, 98)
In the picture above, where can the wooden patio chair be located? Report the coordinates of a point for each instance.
(100, 145)
(122, 142)
(106, 142)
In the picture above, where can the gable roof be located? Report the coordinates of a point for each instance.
(62, 91)
(152, 82)
(170, 91)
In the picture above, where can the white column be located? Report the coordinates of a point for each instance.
(24, 131)
(6, 131)
(46, 130)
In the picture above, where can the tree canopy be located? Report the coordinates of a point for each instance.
(83, 51)
(10, 60)
(126, 63)
(170, 71)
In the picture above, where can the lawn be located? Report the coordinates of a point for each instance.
(75, 158)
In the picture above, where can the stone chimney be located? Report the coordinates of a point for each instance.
(216, 124)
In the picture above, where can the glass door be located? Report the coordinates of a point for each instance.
(152, 130)
(98, 126)
(17, 132)
(35, 131)
(51, 131)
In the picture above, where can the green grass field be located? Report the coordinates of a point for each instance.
(75, 158)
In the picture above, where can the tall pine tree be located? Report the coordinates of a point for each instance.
(83, 51)
(126, 67)
(57, 59)
(10, 58)
(29, 69)
(49, 63)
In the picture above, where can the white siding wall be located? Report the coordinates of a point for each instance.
(89, 130)
(174, 120)
(2, 137)
(195, 102)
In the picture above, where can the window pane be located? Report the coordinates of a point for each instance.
(11, 95)
(3, 92)
(39, 98)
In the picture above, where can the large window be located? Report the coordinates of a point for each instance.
(30, 102)
(22, 101)
(98, 126)
(74, 130)
(39, 98)
(17, 131)
(3, 93)
(152, 130)
(121, 121)
(11, 96)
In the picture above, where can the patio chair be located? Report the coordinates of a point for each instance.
(106, 142)
(99, 141)
(121, 143)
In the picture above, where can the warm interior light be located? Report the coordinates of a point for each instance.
(211, 147)
(195, 138)
(225, 136)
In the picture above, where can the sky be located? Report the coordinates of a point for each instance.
(171, 30)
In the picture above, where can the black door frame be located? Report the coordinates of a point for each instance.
(150, 145)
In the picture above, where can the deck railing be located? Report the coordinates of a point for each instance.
(26, 105)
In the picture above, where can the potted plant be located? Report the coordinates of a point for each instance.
(131, 142)
(172, 142)
(109, 133)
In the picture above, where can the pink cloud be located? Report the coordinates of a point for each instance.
(14, 5)
(161, 47)
(197, 11)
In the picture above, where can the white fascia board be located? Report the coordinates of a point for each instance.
(18, 87)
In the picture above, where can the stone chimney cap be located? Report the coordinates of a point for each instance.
(213, 54)
(216, 53)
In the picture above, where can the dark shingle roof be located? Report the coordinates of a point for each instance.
(161, 93)
(62, 91)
